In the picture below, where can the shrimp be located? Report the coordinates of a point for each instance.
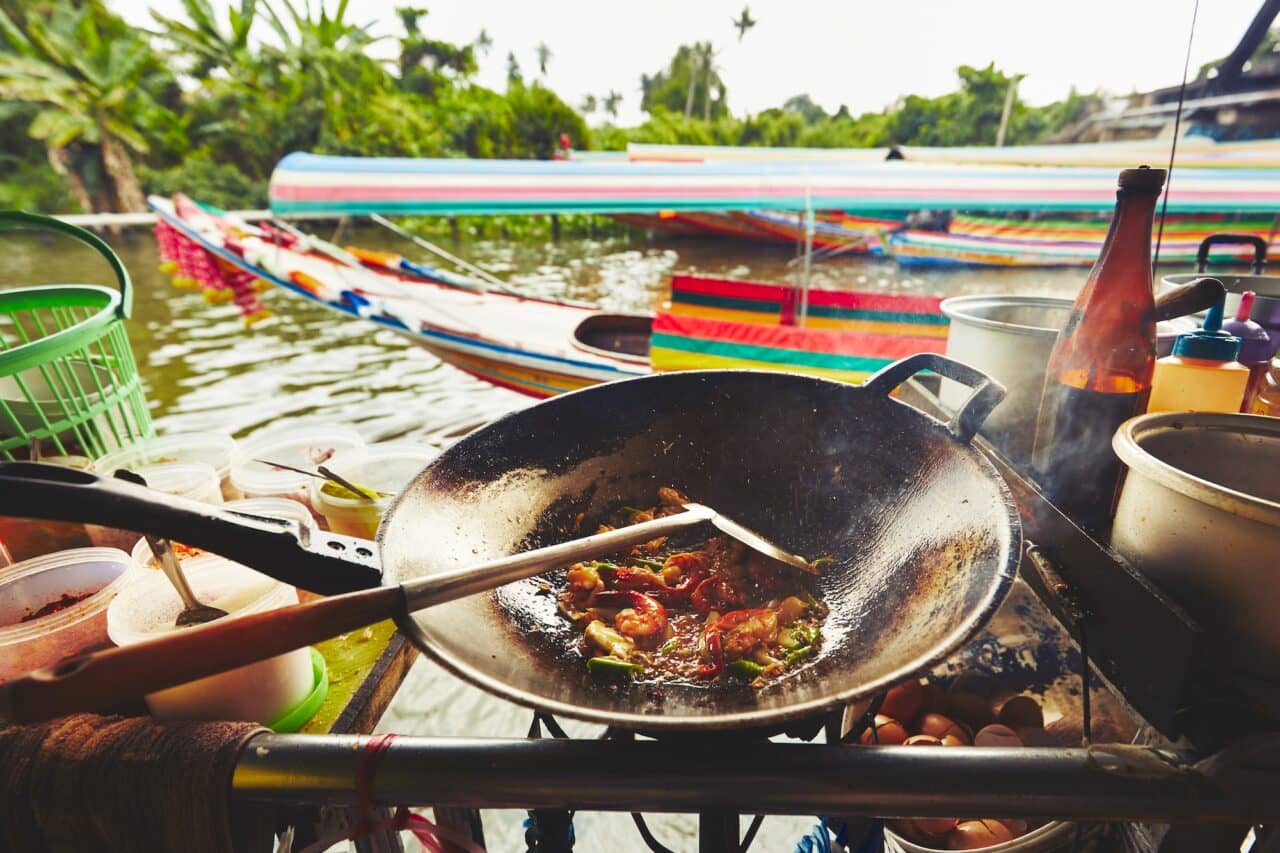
(716, 592)
(681, 565)
(744, 630)
(584, 580)
(644, 620)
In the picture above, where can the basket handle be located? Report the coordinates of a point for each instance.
(14, 219)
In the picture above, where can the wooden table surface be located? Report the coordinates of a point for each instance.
(366, 667)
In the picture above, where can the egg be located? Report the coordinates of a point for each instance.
(1020, 712)
(936, 827)
(996, 735)
(1015, 825)
(952, 740)
(976, 834)
(887, 731)
(969, 708)
(923, 740)
(934, 699)
(904, 701)
(942, 727)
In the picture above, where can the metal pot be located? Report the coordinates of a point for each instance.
(1200, 515)
(1009, 338)
(1266, 307)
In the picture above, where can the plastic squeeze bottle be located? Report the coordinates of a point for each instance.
(1256, 348)
(1202, 374)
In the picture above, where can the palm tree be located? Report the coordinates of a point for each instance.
(483, 43)
(513, 69)
(92, 94)
(744, 22)
(611, 102)
(707, 58)
(589, 104)
(204, 38)
(544, 56)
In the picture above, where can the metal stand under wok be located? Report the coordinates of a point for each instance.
(1143, 646)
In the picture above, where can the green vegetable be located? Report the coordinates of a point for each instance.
(798, 636)
(656, 565)
(797, 655)
(337, 490)
(822, 563)
(608, 640)
(670, 645)
(613, 667)
(745, 668)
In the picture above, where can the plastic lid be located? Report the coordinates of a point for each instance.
(382, 467)
(195, 480)
(1142, 179)
(301, 446)
(1208, 342)
(211, 448)
(301, 714)
(1255, 343)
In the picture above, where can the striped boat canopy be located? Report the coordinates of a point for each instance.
(308, 183)
(1193, 152)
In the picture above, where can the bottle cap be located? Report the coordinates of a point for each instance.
(1255, 344)
(1208, 342)
(1142, 179)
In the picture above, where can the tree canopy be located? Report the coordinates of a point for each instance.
(94, 113)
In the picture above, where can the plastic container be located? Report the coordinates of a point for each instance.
(1202, 374)
(1053, 836)
(25, 538)
(195, 481)
(210, 448)
(300, 446)
(385, 468)
(27, 586)
(261, 692)
(270, 507)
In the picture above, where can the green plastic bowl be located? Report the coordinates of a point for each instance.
(297, 716)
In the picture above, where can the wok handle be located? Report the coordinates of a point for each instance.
(320, 562)
(987, 393)
(1259, 249)
(1197, 295)
(105, 679)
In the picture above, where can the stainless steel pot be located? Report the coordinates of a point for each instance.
(1009, 338)
(1266, 307)
(1200, 515)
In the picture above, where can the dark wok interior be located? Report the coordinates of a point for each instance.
(924, 536)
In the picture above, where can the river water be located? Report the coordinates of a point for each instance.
(204, 371)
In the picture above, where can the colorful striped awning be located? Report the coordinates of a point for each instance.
(308, 183)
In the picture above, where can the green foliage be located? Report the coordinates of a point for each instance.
(690, 85)
(201, 177)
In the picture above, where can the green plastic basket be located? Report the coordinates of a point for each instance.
(67, 376)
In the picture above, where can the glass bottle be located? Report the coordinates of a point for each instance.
(1099, 372)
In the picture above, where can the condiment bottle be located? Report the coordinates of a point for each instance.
(1202, 374)
(1099, 371)
(1256, 348)
(1268, 400)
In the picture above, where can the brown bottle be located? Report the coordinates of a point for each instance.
(1099, 372)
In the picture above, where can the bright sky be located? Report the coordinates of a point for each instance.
(864, 53)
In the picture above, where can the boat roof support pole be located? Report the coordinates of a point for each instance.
(423, 243)
(802, 309)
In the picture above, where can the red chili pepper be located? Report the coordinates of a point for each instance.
(716, 663)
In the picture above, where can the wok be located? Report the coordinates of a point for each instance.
(924, 536)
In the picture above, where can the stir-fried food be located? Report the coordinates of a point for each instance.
(720, 611)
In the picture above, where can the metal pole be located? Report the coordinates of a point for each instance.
(1114, 782)
(422, 243)
(802, 315)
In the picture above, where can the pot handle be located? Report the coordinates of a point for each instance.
(1259, 249)
(987, 393)
(325, 563)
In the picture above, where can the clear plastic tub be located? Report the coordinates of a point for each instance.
(270, 507)
(385, 468)
(196, 481)
(300, 446)
(210, 448)
(260, 692)
(28, 586)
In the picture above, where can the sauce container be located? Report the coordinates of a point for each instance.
(270, 507)
(77, 627)
(304, 446)
(385, 468)
(210, 448)
(195, 481)
(261, 692)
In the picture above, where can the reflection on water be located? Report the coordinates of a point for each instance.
(203, 370)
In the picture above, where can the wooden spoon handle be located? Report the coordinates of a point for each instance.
(108, 678)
